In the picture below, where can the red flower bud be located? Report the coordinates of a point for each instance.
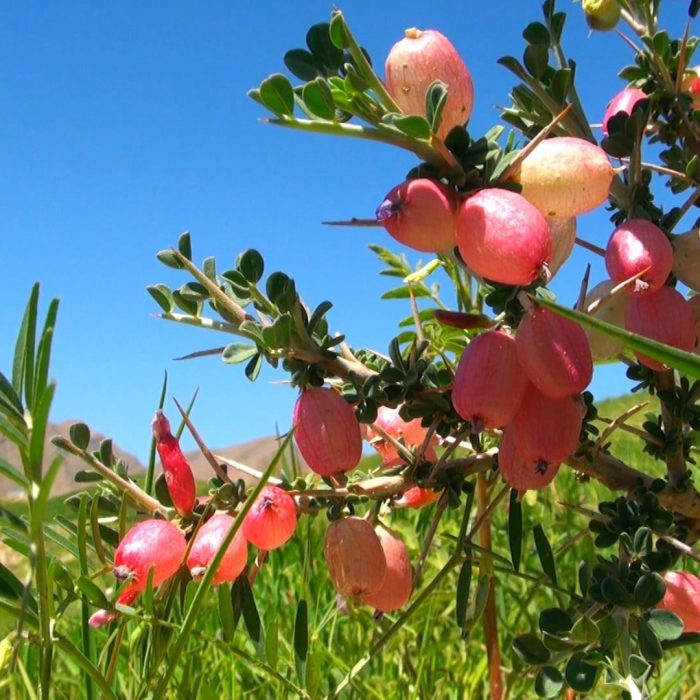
(411, 434)
(178, 473)
(416, 497)
(272, 519)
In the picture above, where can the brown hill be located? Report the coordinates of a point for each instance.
(65, 481)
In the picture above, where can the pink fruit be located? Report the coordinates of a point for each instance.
(150, 544)
(502, 237)
(664, 316)
(398, 582)
(411, 434)
(546, 430)
(520, 473)
(421, 214)
(206, 544)
(682, 597)
(272, 519)
(563, 239)
(635, 245)
(416, 497)
(355, 558)
(686, 254)
(625, 101)
(612, 310)
(178, 473)
(566, 176)
(419, 59)
(489, 383)
(554, 353)
(326, 431)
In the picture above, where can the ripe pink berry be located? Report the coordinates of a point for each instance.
(546, 430)
(150, 544)
(694, 304)
(604, 347)
(326, 431)
(178, 473)
(635, 245)
(664, 316)
(686, 253)
(489, 383)
(416, 497)
(419, 59)
(683, 598)
(625, 101)
(206, 544)
(421, 214)
(272, 519)
(502, 237)
(411, 434)
(566, 176)
(355, 558)
(554, 353)
(518, 472)
(398, 582)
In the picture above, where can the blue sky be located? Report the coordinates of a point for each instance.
(124, 124)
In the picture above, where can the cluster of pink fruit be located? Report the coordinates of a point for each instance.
(161, 546)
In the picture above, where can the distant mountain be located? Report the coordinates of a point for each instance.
(65, 481)
(255, 453)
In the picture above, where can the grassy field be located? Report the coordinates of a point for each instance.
(429, 656)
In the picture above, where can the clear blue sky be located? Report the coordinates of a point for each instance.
(124, 124)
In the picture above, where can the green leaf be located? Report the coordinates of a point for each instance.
(544, 552)
(649, 643)
(86, 476)
(10, 586)
(435, 101)
(514, 66)
(555, 621)
(162, 295)
(414, 126)
(106, 454)
(337, 31)
(80, 435)
(323, 48)
(515, 529)
(638, 667)
(615, 592)
(238, 352)
(537, 33)
(251, 265)
(313, 674)
(536, 59)
(301, 632)
(302, 64)
(92, 593)
(272, 643)
(649, 590)
(252, 369)
(693, 8)
(209, 268)
(277, 95)
(249, 610)
(665, 624)
(23, 361)
(9, 399)
(531, 650)
(404, 293)
(11, 473)
(226, 612)
(318, 99)
(685, 362)
(169, 259)
(579, 674)
(463, 584)
(548, 682)
(184, 245)
(319, 312)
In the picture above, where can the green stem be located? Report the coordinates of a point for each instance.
(424, 150)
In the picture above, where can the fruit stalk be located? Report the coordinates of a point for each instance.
(673, 427)
(490, 617)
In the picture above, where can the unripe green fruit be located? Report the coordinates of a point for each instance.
(686, 254)
(612, 310)
(602, 15)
